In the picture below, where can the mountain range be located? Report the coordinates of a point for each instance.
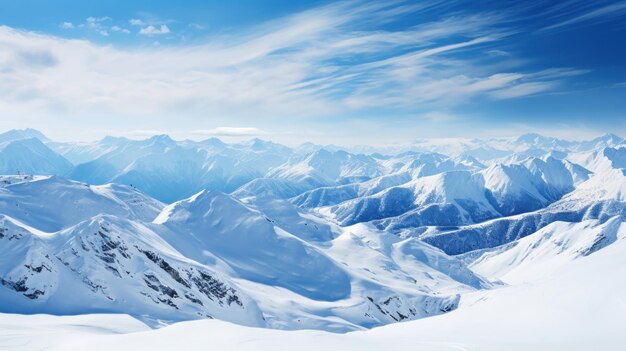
(312, 237)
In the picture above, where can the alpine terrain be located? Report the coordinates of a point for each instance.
(159, 244)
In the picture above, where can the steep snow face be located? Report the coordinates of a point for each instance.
(606, 186)
(285, 215)
(83, 152)
(358, 275)
(426, 164)
(401, 169)
(324, 167)
(53, 203)
(603, 141)
(391, 280)
(447, 199)
(326, 196)
(268, 188)
(31, 156)
(602, 159)
(518, 188)
(541, 254)
(601, 197)
(107, 264)
(252, 245)
(168, 176)
(158, 166)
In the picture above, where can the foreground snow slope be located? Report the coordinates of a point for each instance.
(552, 247)
(580, 306)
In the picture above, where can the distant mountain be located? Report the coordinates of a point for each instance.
(455, 198)
(600, 197)
(323, 168)
(396, 170)
(170, 170)
(31, 156)
(19, 134)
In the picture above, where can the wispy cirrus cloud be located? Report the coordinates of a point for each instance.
(586, 12)
(331, 59)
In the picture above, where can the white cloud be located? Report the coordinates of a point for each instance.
(496, 52)
(152, 30)
(197, 26)
(120, 29)
(95, 22)
(523, 89)
(136, 22)
(231, 131)
(609, 11)
(67, 25)
(324, 61)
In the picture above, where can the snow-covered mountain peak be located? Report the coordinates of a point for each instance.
(17, 134)
(114, 139)
(161, 140)
(31, 156)
(213, 143)
(110, 264)
(204, 204)
(38, 202)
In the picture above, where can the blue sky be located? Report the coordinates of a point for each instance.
(348, 72)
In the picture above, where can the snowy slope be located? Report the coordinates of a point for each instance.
(169, 170)
(101, 241)
(54, 203)
(579, 306)
(31, 156)
(539, 255)
(308, 238)
(109, 264)
(460, 197)
(19, 134)
(600, 197)
(398, 170)
(251, 244)
(323, 168)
